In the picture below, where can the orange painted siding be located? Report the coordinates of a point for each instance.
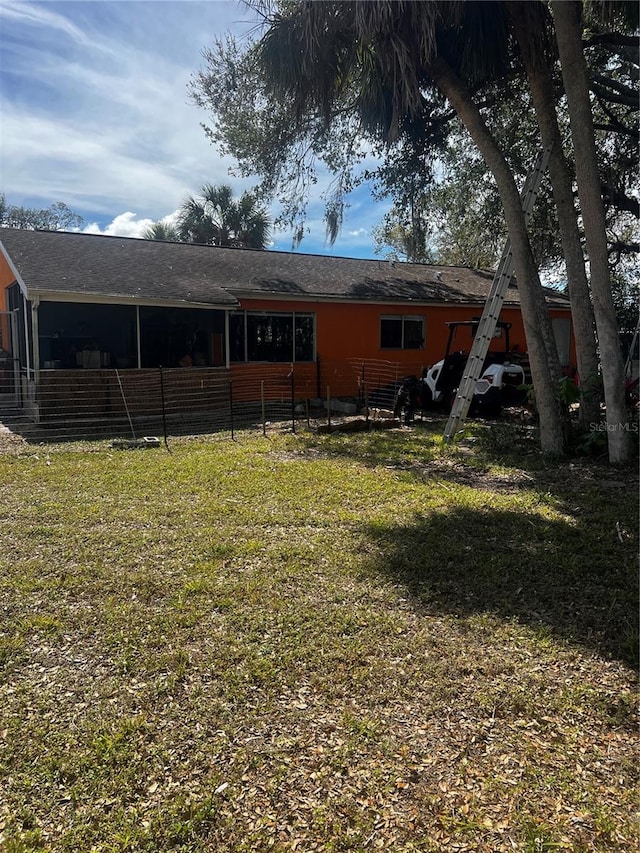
(349, 330)
(6, 278)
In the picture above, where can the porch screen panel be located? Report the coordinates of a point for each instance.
(16, 302)
(77, 335)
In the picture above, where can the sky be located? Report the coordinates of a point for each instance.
(95, 113)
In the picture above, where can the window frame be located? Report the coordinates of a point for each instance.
(244, 315)
(403, 319)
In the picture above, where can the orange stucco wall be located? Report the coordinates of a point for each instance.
(6, 278)
(352, 330)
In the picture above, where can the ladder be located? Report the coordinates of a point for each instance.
(493, 307)
(634, 341)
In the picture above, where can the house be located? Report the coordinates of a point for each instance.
(81, 308)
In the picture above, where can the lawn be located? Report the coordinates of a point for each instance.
(334, 643)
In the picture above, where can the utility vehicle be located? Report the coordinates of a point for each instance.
(500, 383)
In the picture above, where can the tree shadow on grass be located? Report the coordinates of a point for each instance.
(555, 575)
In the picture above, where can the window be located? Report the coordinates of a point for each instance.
(269, 337)
(254, 336)
(237, 336)
(179, 337)
(304, 337)
(562, 333)
(398, 332)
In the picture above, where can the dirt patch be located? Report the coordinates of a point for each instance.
(9, 440)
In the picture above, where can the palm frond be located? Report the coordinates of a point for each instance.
(215, 218)
(162, 231)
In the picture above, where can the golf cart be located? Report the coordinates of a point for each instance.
(500, 383)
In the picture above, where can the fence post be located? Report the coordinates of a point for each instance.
(231, 408)
(328, 406)
(293, 401)
(264, 419)
(164, 414)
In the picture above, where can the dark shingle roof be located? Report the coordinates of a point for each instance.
(92, 265)
(86, 264)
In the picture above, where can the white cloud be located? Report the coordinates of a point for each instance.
(124, 225)
(171, 218)
(128, 225)
(32, 13)
(92, 168)
(104, 130)
(87, 171)
(96, 114)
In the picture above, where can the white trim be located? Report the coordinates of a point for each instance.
(463, 302)
(97, 299)
(311, 297)
(68, 296)
(349, 300)
(93, 298)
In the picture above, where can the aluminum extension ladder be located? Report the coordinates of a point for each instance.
(632, 349)
(492, 308)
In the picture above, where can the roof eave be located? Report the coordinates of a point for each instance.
(121, 299)
(357, 300)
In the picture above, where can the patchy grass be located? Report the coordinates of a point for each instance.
(316, 643)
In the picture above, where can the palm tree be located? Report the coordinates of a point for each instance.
(380, 58)
(215, 219)
(162, 231)
(568, 27)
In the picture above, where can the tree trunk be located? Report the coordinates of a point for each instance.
(534, 311)
(566, 14)
(528, 27)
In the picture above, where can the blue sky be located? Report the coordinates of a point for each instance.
(95, 113)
